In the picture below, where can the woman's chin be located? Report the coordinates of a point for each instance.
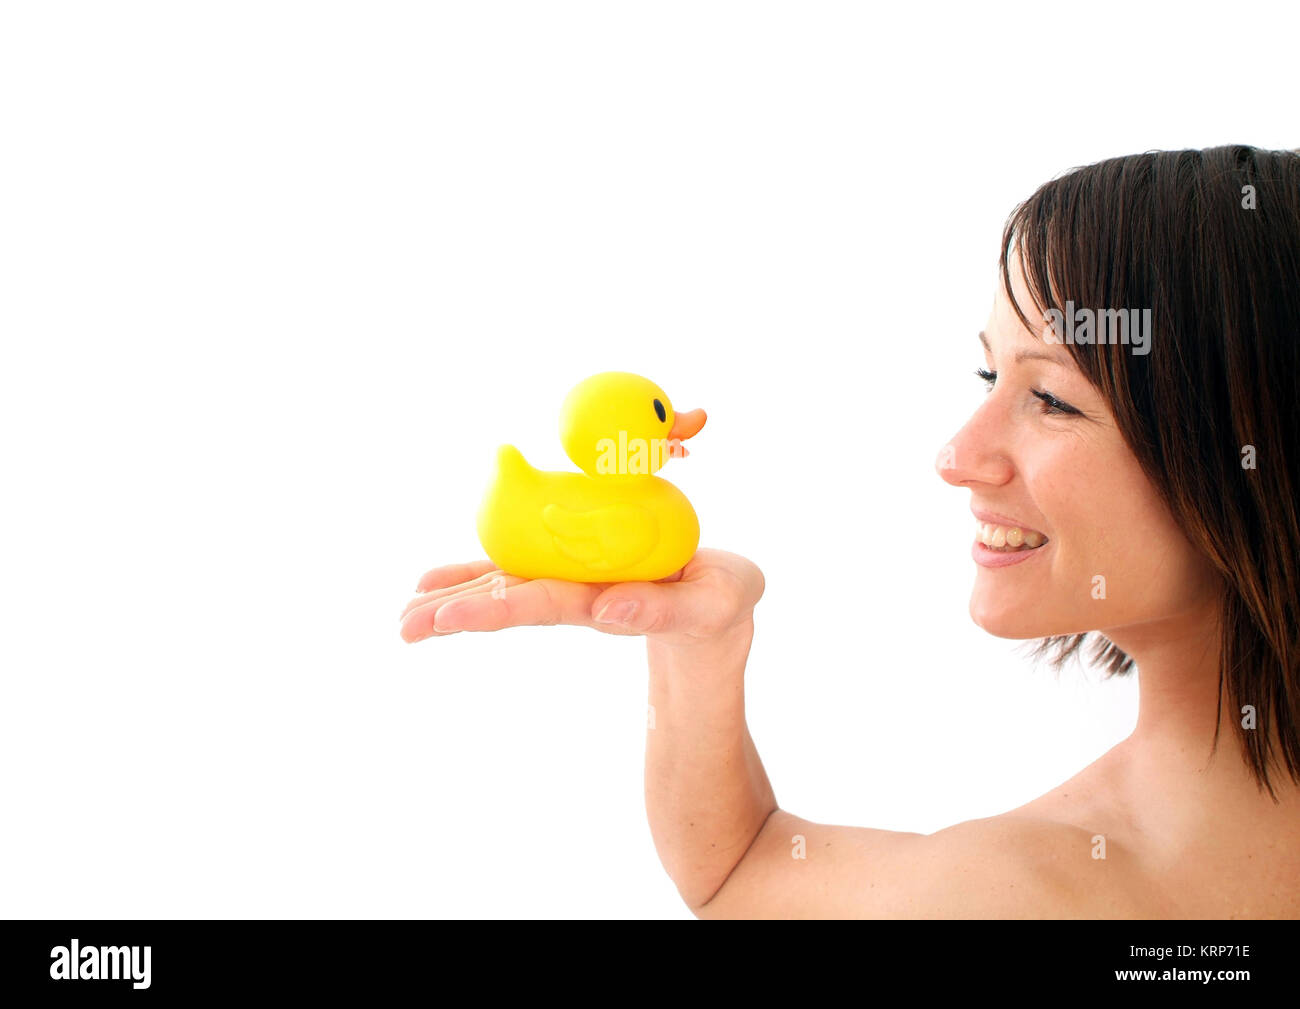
(1008, 618)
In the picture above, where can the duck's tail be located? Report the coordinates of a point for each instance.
(511, 464)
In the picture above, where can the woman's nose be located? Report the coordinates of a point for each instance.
(975, 454)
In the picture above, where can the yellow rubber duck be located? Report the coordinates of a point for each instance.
(613, 522)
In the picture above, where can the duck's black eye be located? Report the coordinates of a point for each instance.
(659, 409)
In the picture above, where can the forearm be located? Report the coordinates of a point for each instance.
(707, 795)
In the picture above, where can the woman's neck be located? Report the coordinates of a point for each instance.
(1173, 743)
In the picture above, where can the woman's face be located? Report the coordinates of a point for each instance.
(1042, 455)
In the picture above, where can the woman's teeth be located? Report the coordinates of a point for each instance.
(1008, 538)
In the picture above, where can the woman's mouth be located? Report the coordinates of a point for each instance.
(997, 546)
(1008, 538)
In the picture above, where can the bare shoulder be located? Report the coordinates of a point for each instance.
(1019, 866)
(1007, 866)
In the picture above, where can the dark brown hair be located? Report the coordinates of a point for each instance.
(1209, 241)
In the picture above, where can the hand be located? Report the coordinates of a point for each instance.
(714, 593)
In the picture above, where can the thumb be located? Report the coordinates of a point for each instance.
(659, 608)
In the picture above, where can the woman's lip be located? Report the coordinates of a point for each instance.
(987, 557)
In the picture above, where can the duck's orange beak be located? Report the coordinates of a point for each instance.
(685, 425)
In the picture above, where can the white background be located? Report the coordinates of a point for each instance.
(275, 280)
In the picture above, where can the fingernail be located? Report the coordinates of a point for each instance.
(618, 611)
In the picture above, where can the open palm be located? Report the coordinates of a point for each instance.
(714, 592)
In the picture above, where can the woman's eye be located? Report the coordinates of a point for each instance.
(1051, 405)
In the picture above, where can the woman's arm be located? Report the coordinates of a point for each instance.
(706, 793)
(714, 818)
(726, 845)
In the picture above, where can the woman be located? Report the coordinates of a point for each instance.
(1134, 476)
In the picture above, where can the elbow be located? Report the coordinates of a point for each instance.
(711, 907)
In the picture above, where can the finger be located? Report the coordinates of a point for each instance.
(542, 601)
(417, 619)
(494, 580)
(452, 574)
(421, 614)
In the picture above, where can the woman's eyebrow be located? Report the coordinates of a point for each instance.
(1026, 355)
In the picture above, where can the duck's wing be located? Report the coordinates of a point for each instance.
(607, 538)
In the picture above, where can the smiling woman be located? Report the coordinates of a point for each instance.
(1208, 244)
(1140, 490)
